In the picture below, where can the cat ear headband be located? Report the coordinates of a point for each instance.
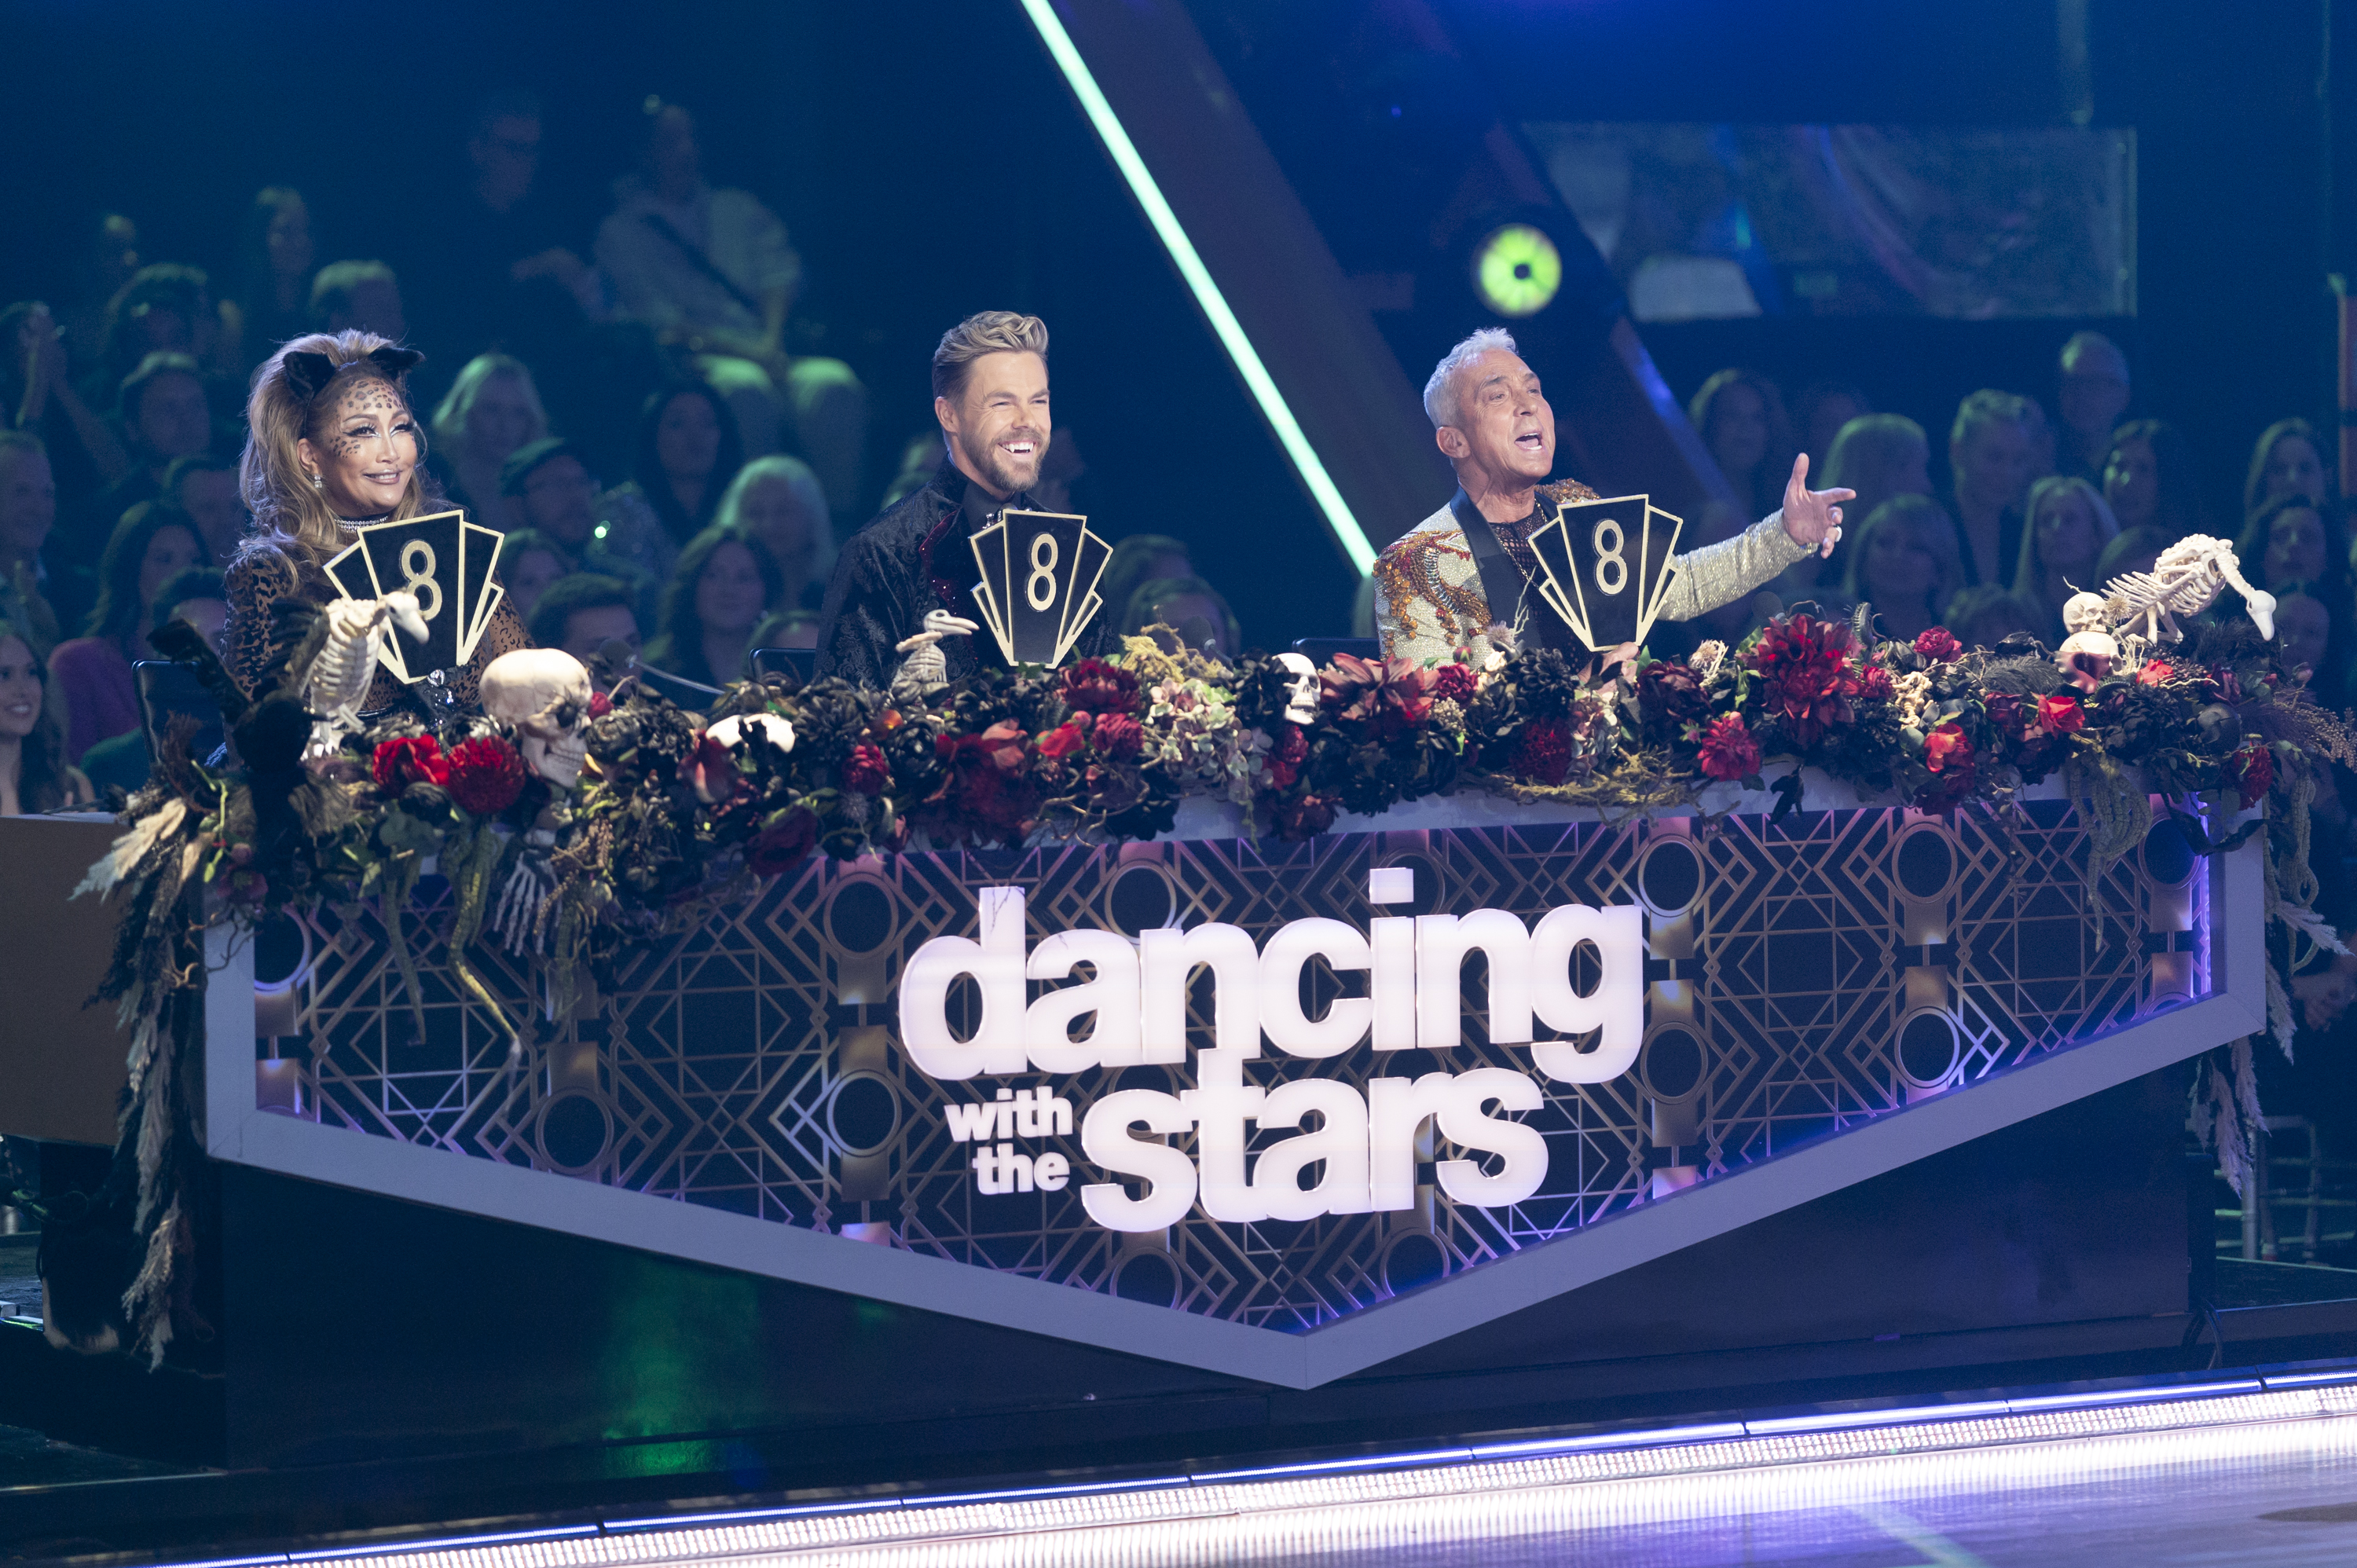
(309, 375)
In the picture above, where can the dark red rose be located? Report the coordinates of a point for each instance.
(1062, 741)
(2060, 714)
(484, 775)
(1306, 817)
(2154, 672)
(711, 772)
(2004, 709)
(1939, 645)
(1118, 735)
(1729, 750)
(1809, 678)
(1948, 749)
(2228, 684)
(2253, 770)
(1545, 756)
(1096, 687)
(600, 704)
(410, 759)
(1874, 681)
(1455, 682)
(986, 790)
(866, 772)
(783, 844)
(1669, 694)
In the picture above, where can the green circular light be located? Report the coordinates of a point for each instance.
(1517, 270)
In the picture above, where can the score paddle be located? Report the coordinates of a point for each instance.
(446, 562)
(1604, 567)
(1039, 574)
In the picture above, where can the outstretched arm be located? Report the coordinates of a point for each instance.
(1808, 524)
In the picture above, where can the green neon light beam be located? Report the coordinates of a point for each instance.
(1224, 325)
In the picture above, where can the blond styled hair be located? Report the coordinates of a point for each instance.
(291, 515)
(984, 332)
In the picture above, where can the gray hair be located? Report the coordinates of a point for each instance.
(1441, 404)
(796, 476)
(449, 422)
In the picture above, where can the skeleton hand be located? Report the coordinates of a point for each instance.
(925, 665)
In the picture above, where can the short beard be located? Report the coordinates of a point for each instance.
(993, 467)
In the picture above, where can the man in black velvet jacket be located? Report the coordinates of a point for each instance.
(903, 586)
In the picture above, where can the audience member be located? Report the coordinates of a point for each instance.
(580, 613)
(165, 416)
(1138, 559)
(2093, 395)
(2069, 526)
(788, 628)
(2292, 539)
(1993, 452)
(2149, 480)
(37, 394)
(2310, 634)
(551, 484)
(154, 543)
(198, 598)
(726, 583)
(688, 451)
(921, 454)
(34, 773)
(204, 486)
(493, 410)
(1986, 615)
(359, 296)
(164, 309)
(1192, 608)
(1740, 416)
(274, 263)
(712, 272)
(1821, 411)
(107, 261)
(2287, 461)
(1879, 455)
(1905, 565)
(28, 511)
(777, 500)
(2134, 551)
(529, 562)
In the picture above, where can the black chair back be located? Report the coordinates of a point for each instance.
(1320, 650)
(166, 688)
(802, 664)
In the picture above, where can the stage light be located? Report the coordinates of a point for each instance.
(1517, 270)
(1214, 305)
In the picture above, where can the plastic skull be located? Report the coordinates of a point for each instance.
(1301, 707)
(544, 693)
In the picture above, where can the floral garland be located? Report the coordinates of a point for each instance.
(677, 811)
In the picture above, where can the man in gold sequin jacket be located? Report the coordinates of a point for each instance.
(1443, 586)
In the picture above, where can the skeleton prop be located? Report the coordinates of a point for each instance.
(544, 693)
(1301, 704)
(338, 681)
(2186, 579)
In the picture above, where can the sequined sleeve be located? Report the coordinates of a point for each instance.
(1428, 600)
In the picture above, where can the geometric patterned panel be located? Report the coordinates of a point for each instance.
(1802, 977)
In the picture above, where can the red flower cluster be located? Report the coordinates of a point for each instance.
(2154, 672)
(1391, 695)
(1093, 686)
(1545, 757)
(409, 759)
(486, 775)
(866, 772)
(1949, 750)
(600, 704)
(986, 789)
(783, 842)
(2252, 769)
(1729, 750)
(1455, 682)
(1809, 680)
(1874, 683)
(1285, 761)
(1939, 645)
(1118, 735)
(1062, 741)
(2060, 714)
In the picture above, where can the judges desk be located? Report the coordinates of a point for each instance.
(62, 1057)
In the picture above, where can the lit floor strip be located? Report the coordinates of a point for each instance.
(1493, 1491)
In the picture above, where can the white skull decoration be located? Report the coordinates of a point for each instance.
(1302, 707)
(542, 692)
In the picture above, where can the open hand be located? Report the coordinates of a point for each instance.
(1813, 517)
